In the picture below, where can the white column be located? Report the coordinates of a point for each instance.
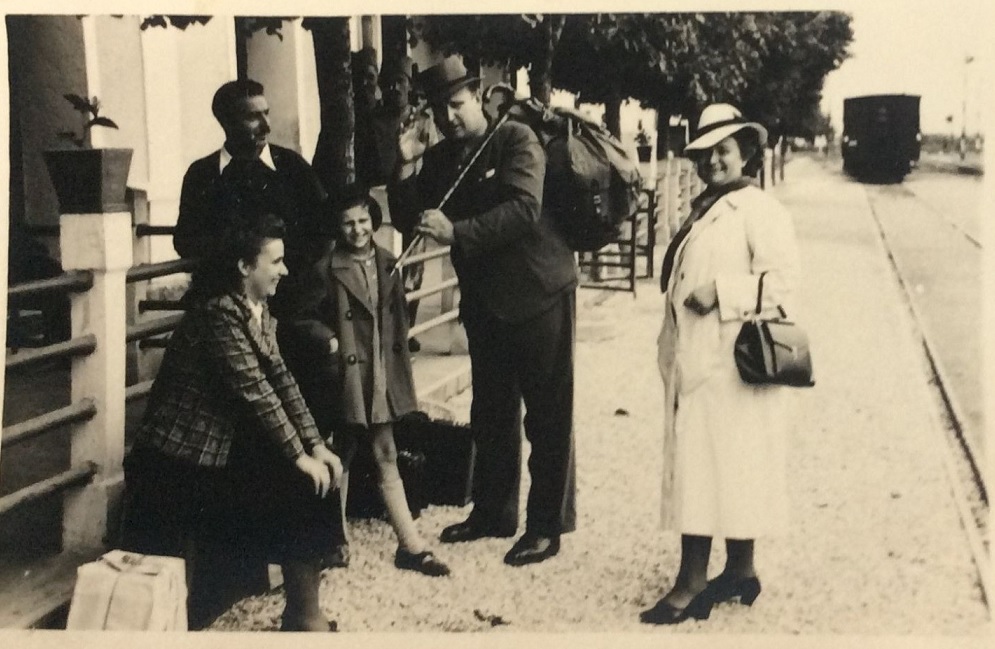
(164, 133)
(100, 243)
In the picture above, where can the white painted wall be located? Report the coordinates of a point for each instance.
(272, 61)
(206, 59)
(119, 83)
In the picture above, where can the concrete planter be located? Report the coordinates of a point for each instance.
(90, 181)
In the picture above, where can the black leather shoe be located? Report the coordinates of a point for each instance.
(424, 562)
(532, 548)
(724, 589)
(699, 608)
(471, 531)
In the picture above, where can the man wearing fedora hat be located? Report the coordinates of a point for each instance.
(517, 282)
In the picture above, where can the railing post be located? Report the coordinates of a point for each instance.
(101, 243)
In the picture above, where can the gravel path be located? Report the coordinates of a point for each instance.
(875, 545)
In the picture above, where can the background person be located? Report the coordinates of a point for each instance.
(345, 340)
(227, 463)
(396, 110)
(724, 440)
(517, 281)
(497, 98)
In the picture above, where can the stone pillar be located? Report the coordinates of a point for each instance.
(102, 244)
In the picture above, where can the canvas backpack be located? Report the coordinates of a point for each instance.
(592, 185)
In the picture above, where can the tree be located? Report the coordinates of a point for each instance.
(510, 41)
(785, 90)
(334, 155)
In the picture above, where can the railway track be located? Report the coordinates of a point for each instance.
(964, 457)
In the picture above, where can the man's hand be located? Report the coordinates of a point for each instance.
(703, 299)
(435, 224)
(316, 471)
(332, 461)
(413, 139)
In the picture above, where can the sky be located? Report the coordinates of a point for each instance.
(920, 50)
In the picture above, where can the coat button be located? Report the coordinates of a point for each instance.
(351, 359)
(397, 347)
(348, 314)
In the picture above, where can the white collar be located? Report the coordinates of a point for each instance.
(265, 156)
(256, 309)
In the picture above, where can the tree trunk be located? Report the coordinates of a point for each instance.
(541, 70)
(613, 114)
(662, 133)
(334, 155)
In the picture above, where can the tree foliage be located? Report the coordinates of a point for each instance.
(771, 64)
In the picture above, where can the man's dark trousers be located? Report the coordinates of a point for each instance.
(512, 362)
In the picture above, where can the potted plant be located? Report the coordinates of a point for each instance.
(644, 145)
(86, 180)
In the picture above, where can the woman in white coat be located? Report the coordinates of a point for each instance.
(724, 440)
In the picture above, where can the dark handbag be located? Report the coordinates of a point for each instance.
(773, 351)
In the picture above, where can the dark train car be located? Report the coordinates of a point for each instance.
(881, 137)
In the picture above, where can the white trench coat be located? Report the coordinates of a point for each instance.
(724, 440)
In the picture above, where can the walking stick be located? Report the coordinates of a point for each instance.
(476, 154)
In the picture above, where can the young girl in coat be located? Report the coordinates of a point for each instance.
(348, 329)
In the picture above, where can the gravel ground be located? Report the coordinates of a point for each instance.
(875, 545)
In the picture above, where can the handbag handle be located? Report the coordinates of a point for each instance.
(760, 296)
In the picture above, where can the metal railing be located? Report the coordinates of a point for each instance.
(637, 239)
(107, 278)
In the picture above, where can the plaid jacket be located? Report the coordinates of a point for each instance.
(222, 376)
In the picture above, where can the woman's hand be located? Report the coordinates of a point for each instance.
(332, 461)
(703, 299)
(317, 471)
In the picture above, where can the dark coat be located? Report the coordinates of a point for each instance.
(324, 302)
(507, 254)
(294, 186)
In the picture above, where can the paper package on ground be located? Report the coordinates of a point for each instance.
(129, 591)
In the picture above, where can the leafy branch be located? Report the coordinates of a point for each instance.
(89, 109)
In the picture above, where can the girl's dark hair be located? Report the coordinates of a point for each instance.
(249, 225)
(353, 195)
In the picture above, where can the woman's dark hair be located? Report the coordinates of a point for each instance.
(249, 225)
(750, 150)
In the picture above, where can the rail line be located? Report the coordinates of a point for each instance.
(946, 219)
(961, 445)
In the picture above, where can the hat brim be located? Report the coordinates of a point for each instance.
(451, 89)
(710, 139)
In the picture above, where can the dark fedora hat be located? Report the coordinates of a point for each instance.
(444, 78)
(350, 196)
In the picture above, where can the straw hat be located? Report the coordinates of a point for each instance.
(719, 121)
